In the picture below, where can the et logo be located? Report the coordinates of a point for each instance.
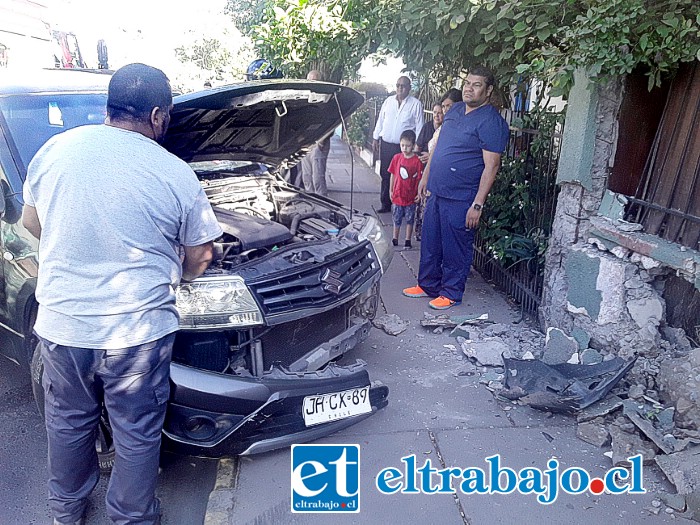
(325, 478)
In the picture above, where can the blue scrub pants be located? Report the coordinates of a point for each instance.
(447, 247)
(134, 383)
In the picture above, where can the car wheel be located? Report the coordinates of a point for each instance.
(104, 443)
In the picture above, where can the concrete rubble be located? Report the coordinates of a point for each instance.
(488, 352)
(653, 411)
(392, 324)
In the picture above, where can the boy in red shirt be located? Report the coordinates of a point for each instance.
(406, 170)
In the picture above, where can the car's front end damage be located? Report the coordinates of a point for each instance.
(293, 287)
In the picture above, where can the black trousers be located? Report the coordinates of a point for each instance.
(387, 150)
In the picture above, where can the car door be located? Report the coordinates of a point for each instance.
(18, 263)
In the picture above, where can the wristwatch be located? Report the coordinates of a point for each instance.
(477, 206)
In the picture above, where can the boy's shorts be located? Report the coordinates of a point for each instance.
(398, 213)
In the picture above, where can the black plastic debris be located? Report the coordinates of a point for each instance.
(564, 388)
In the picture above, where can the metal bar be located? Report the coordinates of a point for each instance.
(656, 207)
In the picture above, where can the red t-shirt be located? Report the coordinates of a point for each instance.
(407, 174)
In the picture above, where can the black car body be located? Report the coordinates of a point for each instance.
(294, 285)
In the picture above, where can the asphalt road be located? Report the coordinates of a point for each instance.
(183, 487)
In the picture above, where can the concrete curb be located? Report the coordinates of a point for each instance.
(221, 498)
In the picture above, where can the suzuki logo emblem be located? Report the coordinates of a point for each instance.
(332, 281)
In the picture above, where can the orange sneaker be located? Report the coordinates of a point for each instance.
(414, 291)
(443, 303)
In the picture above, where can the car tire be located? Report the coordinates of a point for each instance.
(104, 443)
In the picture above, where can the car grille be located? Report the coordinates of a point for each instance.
(321, 285)
(288, 342)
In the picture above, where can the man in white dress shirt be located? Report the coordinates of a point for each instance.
(398, 113)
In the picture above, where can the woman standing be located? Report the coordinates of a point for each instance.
(440, 109)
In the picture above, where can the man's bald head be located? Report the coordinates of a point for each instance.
(403, 87)
(314, 74)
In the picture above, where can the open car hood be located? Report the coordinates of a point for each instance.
(272, 121)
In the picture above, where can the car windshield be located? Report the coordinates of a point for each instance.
(34, 119)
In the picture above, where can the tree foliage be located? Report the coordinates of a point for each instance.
(547, 39)
(298, 35)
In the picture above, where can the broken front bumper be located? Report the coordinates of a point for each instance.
(216, 415)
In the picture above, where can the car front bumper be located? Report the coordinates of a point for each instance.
(214, 415)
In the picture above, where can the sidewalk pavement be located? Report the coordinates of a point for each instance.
(438, 411)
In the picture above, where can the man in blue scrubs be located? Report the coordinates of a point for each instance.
(458, 178)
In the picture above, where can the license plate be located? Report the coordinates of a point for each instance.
(338, 405)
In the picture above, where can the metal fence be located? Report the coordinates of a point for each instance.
(520, 273)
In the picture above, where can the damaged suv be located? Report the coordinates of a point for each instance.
(295, 280)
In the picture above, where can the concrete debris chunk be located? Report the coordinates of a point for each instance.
(574, 359)
(582, 338)
(682, 469)
(665, 418)
(625, 445)
(679, 382)
(591, 357)
(392, 324)
(636, 391)
(629, 409)
(459, 331)
(487, 352)
(600, 409)
(489, 377)
(675, 501)
(594, 432)
(692, 505)
(558, 347)
(447, 321)
(528, 355)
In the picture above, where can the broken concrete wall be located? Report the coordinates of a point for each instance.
(604, 279)
(614, 301)
(588, 149)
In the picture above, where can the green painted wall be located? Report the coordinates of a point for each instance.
(578, 142)
(582, 273)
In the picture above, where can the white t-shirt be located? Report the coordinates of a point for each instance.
(114, 208)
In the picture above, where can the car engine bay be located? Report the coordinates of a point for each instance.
(261, 215)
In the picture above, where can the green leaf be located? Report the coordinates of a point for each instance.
(644, 42)
(519, 43)
(505, 10)
(544, 34)
(478, 50)
(519, 27)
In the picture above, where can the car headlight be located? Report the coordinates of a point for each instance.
(216, 303)
(372, 231)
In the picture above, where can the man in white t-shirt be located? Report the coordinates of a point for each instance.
(398, 114)
(112, 209)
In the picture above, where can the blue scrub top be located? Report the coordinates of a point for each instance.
(458, 160)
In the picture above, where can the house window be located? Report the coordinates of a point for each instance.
(667, 199)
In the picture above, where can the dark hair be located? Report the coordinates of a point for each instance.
(134, 90)
(409, 134)
(454, 94)
(481, 71)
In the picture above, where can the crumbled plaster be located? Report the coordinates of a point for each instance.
(603, 276)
